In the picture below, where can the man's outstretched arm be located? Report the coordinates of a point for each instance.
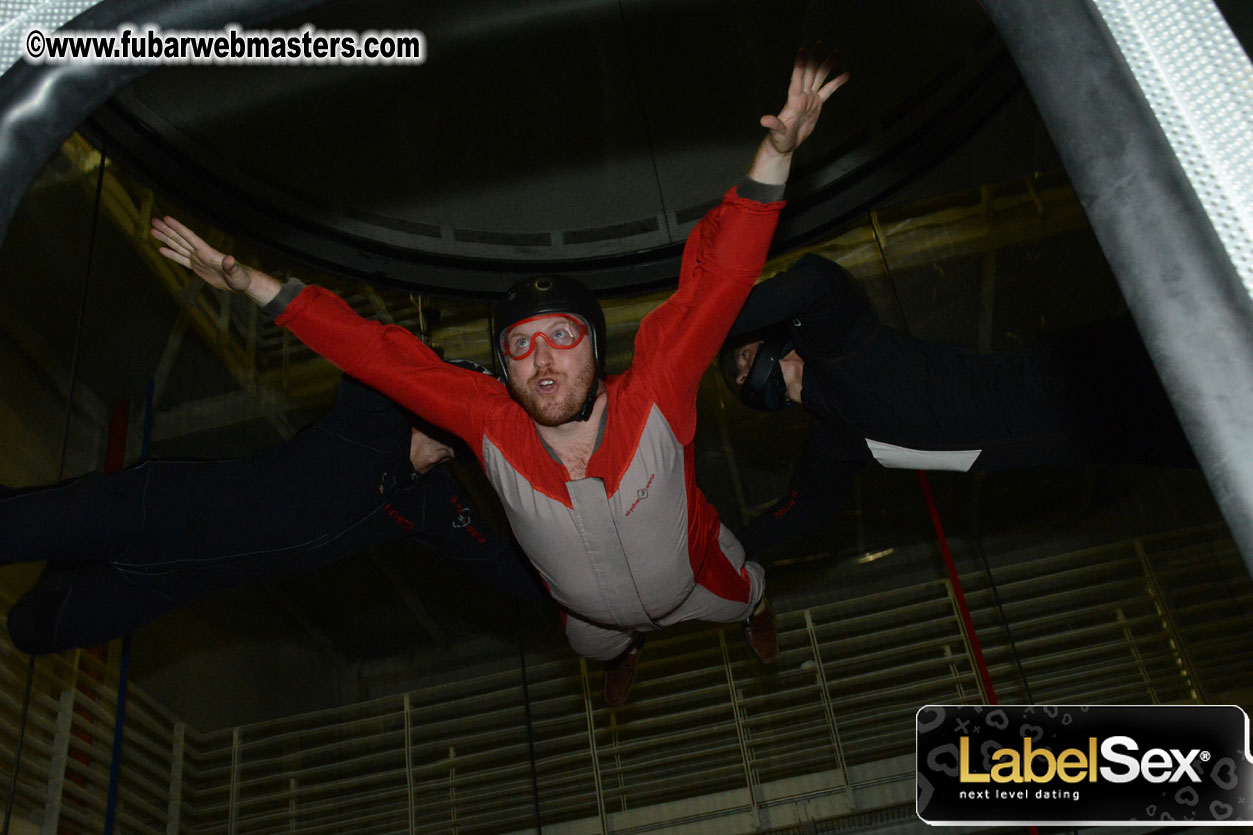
(183, 246)
(806, 286)
(727, 249)
(818, 302)
(385, 357)
(807, 91)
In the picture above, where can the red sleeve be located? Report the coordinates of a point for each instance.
(722, 259)
(393, 361)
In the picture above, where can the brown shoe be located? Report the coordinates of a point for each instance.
(760, 633)
(620, 673)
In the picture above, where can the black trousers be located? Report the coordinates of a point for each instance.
(123, 550)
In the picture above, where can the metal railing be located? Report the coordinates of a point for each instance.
(710, 735)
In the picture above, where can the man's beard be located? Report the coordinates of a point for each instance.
(547, 411)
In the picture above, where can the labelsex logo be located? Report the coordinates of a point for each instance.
(1039, 765)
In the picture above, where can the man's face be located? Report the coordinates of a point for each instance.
(744, 357)
(791, 365)
(551, 383)
(425, 452)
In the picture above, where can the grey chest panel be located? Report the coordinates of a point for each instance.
(618, 559)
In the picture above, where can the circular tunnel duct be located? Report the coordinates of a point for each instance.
(1145, 183)
(585, 138)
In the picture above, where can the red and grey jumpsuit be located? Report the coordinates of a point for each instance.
(633, 546)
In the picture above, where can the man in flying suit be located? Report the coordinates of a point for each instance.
(124, 549)
(595, 471)
(877, 397)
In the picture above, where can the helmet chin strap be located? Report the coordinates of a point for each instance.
(592, 391)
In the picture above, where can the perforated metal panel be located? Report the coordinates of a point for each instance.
(18, 16)
(1199, 83)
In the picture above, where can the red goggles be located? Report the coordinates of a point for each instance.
(563, 335)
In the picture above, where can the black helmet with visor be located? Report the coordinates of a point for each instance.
(550, 295)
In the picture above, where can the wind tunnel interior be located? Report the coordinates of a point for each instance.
(583, 139)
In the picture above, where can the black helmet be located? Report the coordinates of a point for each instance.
(544, 295)
(764, 387)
